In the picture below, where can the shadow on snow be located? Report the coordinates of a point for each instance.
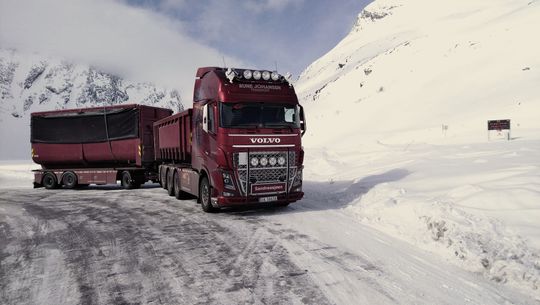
(328, 195)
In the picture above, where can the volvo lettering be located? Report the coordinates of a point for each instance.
(265, 140)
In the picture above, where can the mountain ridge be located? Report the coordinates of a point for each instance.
(32, 82)
(397, 77)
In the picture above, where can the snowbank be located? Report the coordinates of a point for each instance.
(476, 205)
(17, 174)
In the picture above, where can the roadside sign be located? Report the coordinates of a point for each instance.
(498, 127)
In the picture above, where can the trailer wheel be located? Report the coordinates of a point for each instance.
(126, 181)
(170, 184)
(69, 180)
(205, 191)
(49, 181)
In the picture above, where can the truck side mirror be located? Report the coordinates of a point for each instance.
(205, 118)
(303, 124)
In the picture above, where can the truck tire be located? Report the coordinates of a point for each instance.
(170, 184)
(69, 180)
(49, 181)
(205, 195)
(126, 181)
(178, 193)
(163, 178)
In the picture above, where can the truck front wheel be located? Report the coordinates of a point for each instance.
(49, 181)
(205, 191)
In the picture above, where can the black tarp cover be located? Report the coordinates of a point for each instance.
(86, 127)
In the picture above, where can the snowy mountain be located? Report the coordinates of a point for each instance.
(424, 64)
(397, 130)
(32, 82)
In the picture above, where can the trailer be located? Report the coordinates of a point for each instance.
(99, 145)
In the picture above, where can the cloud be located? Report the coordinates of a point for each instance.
(271, 5)
(135, 43)
(166, 5)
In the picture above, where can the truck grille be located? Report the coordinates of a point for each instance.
(267, 174)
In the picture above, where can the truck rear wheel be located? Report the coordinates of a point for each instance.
(178, 193)
(170, 184)
(126, 180)
(69, 180)
(205, 195)
(49, 181)
(163, 177)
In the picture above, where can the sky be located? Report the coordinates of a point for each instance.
(291, 33)
(164, 41)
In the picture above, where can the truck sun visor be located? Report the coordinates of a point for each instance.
(85, 127)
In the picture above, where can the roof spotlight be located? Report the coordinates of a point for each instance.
(256, 75)
(230, 74)
(247, 74)
(275, 76)
(266, 75)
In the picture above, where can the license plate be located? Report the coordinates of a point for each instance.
(268, 199)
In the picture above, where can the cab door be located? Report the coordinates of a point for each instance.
(209, 136)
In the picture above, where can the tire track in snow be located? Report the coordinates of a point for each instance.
(141, 247)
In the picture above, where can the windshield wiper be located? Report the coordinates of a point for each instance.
(280, 126)
(254, 126)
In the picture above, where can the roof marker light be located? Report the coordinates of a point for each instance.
(266, 75)
(275, 76)
(247, 74)
(288, 78)
(231, 74)
(256, 75)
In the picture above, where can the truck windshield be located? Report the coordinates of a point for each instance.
(246, 115)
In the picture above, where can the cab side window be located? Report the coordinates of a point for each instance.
(211, 118)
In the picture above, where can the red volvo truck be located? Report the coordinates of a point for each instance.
(239, 144)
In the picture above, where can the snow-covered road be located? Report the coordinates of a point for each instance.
(104, 245)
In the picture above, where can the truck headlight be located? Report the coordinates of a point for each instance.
(281, 161)
(266, 75)
(272, 161)
(298, 179)
(275, 76)
(247, 74)
(264, 161)
(227, 181)
(254, 161)
(297, 184)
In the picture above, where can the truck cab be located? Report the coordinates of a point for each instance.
(246, 137)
